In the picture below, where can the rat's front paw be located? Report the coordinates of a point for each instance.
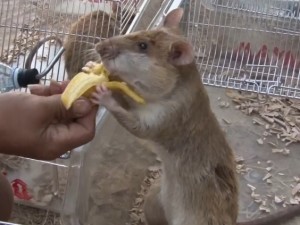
(88, 66)
(103, 96)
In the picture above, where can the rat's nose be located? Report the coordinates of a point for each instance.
(107, 50)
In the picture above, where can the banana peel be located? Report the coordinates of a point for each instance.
(84, 83)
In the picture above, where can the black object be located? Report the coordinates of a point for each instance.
(28, 76)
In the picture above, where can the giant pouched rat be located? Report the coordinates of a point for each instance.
(84, 34)
(199, 183)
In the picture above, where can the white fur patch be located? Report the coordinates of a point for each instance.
(152, 114)
(131, 62)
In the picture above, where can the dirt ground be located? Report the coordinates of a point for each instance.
(117, 162)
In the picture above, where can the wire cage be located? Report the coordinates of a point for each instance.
(245, 45)
(249, 45)
(33, 34)
(24, 23)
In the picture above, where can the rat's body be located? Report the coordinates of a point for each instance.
(198, 184)
(79, 45)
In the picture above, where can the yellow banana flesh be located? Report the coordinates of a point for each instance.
(83, 84)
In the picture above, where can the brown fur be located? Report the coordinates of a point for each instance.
(198, 184)
(84, 34)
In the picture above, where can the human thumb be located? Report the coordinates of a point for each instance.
(79, 108)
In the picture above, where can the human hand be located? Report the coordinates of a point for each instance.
(38, 126)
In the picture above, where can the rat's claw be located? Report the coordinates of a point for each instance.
(88, 66)
(102, 96)
(104, 88)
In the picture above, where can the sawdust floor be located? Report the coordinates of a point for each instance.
(118, 162)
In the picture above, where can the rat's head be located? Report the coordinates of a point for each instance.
(149, 61)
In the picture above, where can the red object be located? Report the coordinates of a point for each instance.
(289, 60)
(243, 53)
(20, 189)
(277, 57)
(236, 54)
(262, 56)
(248, 56)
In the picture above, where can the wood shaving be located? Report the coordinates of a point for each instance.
(297, 179)
(226, 121)
(255, 196)
(279, 116)
(283, 151)
(264, 209)
(251, 187)
(296, 189)
(294, 201)
(260, 141)
(278, 200)
(267, 176)
(269, 169)
(241, 169)
(136, 213)
(224, 104)
(239, 159)
(258, 121)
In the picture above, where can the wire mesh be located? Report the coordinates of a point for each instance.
(23, 23)
(250, 45)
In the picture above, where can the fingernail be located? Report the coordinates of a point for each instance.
(81, 107)
(55, 87)
(33, 87)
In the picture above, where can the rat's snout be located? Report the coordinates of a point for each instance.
(107, 50)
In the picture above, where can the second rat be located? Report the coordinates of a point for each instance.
(198, 184)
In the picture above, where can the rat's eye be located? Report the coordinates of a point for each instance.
(143, 45)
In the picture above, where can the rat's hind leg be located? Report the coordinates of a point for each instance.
(153, 210)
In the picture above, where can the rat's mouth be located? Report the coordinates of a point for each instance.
(107, 51)
(116, 77)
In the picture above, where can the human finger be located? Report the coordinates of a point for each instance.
(54, 109)
(66, 137)
(47, 90)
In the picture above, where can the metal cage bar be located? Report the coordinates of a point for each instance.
(25, 22)
(248, 45)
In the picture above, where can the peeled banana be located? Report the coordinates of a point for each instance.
(83, 84)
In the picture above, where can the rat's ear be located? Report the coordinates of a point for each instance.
(181, 53)
(173, 18)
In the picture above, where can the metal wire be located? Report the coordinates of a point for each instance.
(249, 45)
(25, 22)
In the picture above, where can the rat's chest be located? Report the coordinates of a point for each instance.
(152, 115)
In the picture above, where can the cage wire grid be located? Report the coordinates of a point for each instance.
(25, 22)
(246, 45)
